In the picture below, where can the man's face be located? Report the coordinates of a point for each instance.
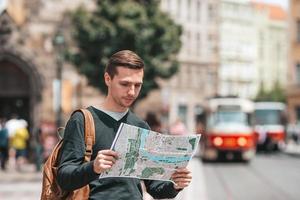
(125, 86)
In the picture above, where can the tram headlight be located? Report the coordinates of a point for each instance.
(217, 141)
(241, 141)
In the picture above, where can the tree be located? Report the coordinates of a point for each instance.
(137, 25)
(275, 94)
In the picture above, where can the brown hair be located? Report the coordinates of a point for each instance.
(124, 58)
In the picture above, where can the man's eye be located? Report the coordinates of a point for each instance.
(124, 84)
(138, 85)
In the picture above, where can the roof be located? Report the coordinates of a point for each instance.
(269, 106)
(245, 105)
(276, 12)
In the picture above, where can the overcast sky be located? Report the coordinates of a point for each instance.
(283, 3)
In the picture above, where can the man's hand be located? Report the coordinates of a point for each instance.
(182, 178)
(105, 160)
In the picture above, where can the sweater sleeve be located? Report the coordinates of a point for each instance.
(73, 172)
(160, 189)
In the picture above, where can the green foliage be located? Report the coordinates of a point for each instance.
(115, 25)
(275, 94)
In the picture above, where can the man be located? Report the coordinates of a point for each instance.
(123, 77)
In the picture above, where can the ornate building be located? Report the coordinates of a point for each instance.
(184, 95)
(253, 49)
(272, 49)
(237, 72)
(30, 77)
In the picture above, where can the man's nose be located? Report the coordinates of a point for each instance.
(131, 90)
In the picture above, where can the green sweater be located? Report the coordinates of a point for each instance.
(73, 173)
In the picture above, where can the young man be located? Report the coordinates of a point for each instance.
(123, 77)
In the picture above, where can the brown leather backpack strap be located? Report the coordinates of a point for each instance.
(89, 132)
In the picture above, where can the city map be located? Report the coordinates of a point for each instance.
(147, 154)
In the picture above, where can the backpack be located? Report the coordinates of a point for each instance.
(50, 187)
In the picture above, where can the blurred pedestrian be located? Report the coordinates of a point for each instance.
(178, 128)
(19, 144)
(153, 122)
(200, 128)
(49, 142)
(13, 124)
(123, 77)
(38, 144)
(3, 144)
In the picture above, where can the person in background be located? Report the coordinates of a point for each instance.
(19, 144)
(153, 122)
(38, 149)
(178, 128)
(4, 144)
(124, 78)
(12, 125)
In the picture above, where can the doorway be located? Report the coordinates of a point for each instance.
(20, 88)
(14, 91)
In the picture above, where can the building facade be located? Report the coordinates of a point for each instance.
(30, 80)
(186, 92)
(253, 47)
(271, 36)
(237, 72)
(293, 87)
(33, 79)
(222, 53)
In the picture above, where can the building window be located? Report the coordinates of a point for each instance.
(211, 43)
(198, 44)
(193, 77)
(198, 11)
(182, 113)
(178, 8)
(189, 7)
(188, 42)
(298, 30)
(211, 12)
(261, 45)
(210, 80)
(298, 72)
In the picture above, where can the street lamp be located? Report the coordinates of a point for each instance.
(58, 42)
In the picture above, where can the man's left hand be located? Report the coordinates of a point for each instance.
(182, 178)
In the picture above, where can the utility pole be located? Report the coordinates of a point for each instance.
(59, 42)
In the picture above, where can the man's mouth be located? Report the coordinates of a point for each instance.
(129, 99)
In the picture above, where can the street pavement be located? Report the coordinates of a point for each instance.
(292, 148)
(26, 184)
(196, 189)
(20, 185)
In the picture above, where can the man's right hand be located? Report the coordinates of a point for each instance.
(105, 160)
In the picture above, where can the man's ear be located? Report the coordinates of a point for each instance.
(107, 79)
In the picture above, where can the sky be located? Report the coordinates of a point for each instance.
(283, 3)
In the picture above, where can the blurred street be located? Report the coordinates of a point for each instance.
(268, 176)
(23, 185)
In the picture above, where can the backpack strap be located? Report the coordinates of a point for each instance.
(89, 133)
